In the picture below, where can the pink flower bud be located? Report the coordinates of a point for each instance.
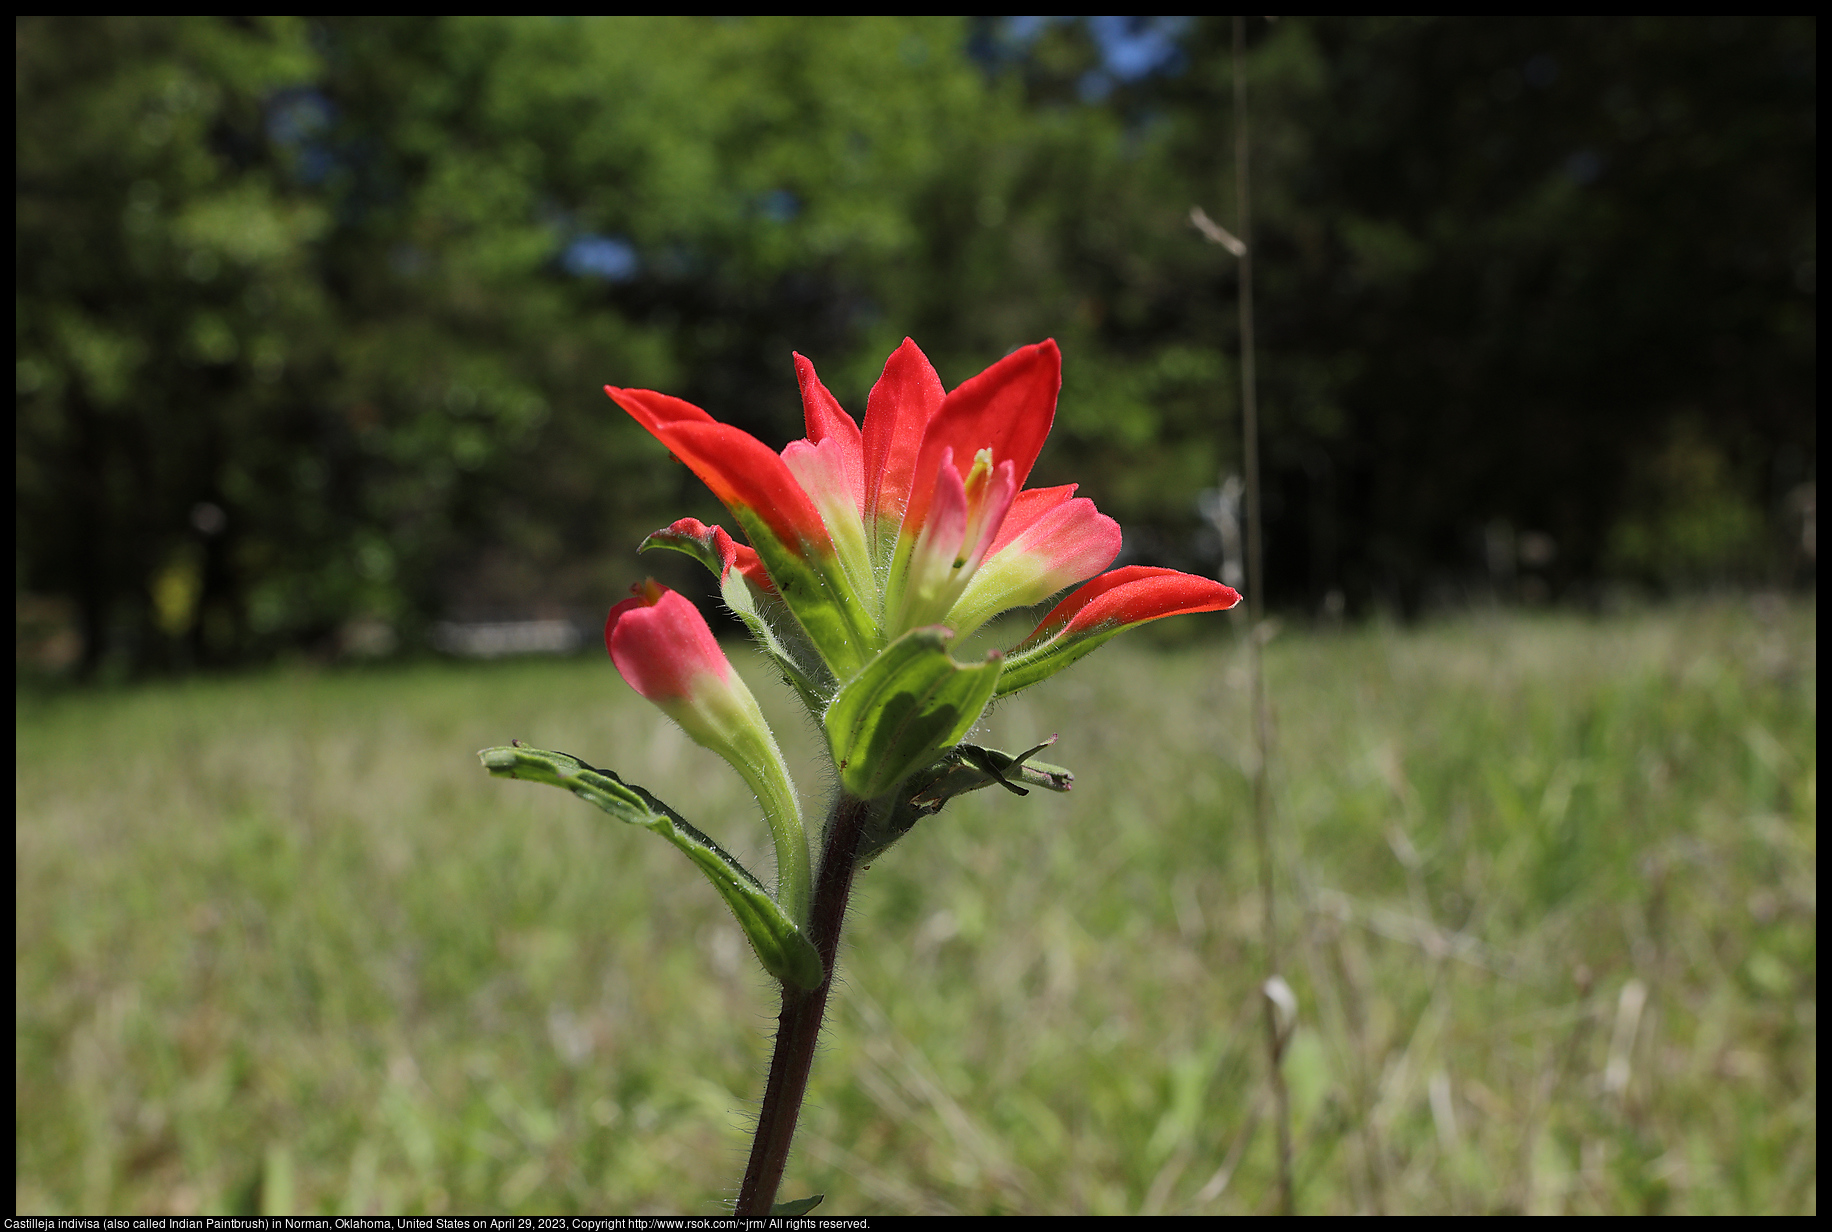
(663, 647)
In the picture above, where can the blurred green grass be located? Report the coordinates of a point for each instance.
(1548, 900)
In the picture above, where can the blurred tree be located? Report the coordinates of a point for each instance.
(159, 304)
(312, 316)
(1527, 252)
(1507, 267)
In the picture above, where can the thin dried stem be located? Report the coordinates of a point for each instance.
(1262, 837)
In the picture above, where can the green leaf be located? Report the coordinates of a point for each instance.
(908, 704)
(962, 769)
(1026, 667)
(782, 948)
(968, 767)
(800, 1206)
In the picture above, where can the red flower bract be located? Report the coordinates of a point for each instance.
(1132, 596)
(741, 470)
(919, 518)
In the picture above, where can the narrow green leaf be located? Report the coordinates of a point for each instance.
(1024, 668)
(800, 1206)
(782, 948)
(964, 768)
(968, 767)
(908, 703)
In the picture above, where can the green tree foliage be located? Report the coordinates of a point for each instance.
(312, 316)
(1540, 245)
(163, 313)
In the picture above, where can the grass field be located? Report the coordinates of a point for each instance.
(1547, 886)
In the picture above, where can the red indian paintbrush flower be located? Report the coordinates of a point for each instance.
(872, 550)
(921, 517)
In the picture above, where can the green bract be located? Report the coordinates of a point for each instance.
(906, 707)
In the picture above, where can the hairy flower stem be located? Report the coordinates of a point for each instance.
(799, 1025)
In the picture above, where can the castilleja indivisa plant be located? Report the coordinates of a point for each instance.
(872, 550)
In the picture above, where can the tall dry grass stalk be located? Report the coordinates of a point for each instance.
(1278, 1009)
(1279, 1004)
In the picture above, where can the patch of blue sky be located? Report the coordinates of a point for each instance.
(601, 256)
(298, 120)
(1131, 48)
(779, 205)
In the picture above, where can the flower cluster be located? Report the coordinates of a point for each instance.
(871, 549)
